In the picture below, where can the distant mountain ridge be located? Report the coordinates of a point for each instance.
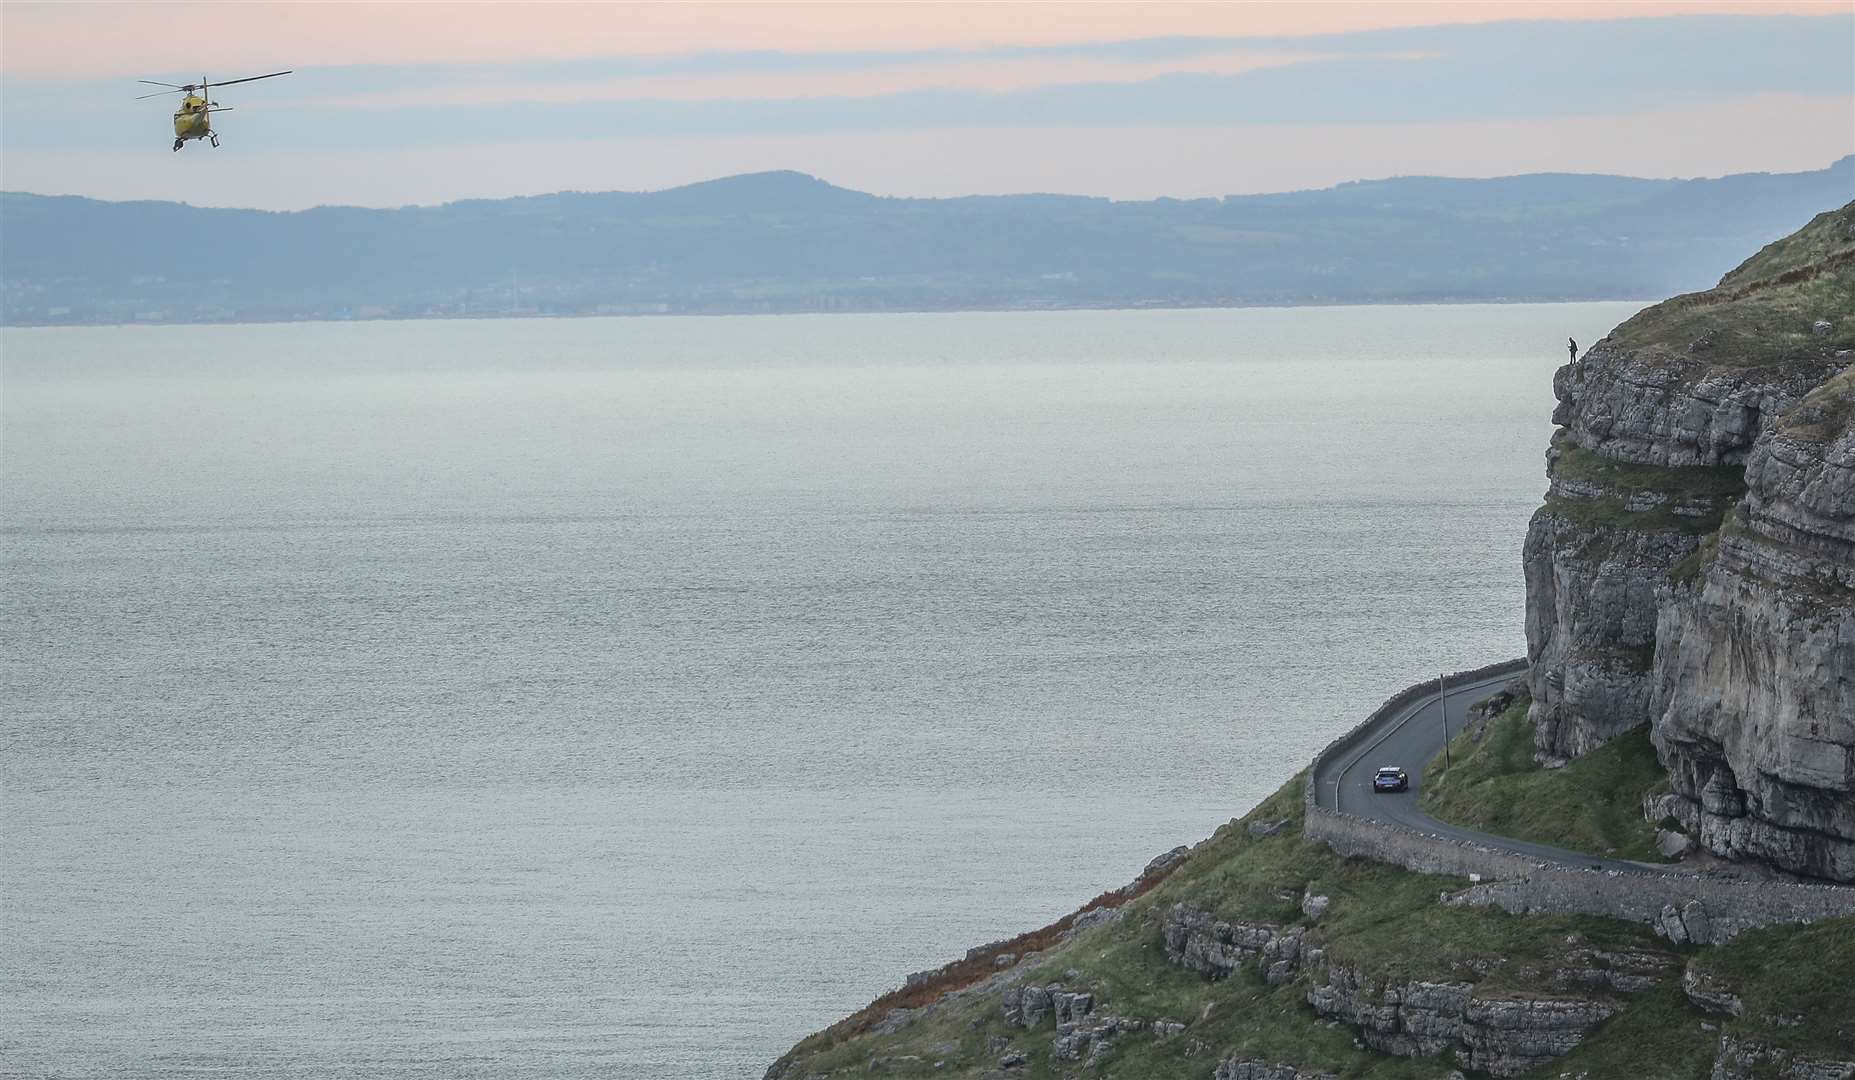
(784, 241)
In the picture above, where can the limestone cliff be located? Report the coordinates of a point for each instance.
(1754, 695)
(1694, 562)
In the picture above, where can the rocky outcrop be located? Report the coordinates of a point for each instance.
(1082, 1033)
(1709, 993)
(1214, 948)
(1743, 1059)
(1625, 971)
(1694, 564)
(1754, 698)
(1026, 1006)
(1251, 1069)
(1485, 712)
(1676, 404)
(1502, 1035)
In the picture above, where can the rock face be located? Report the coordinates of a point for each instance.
(1754, 697)
(1250, 1069)
(1740, 1059)
(1500, 1035)
(1710, 994)
(1082, 1033)
(1591, 623)
(1694, 563)
(1213, 948)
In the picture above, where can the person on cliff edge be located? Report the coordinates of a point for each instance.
(1572, 344)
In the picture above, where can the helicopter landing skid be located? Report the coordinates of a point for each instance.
(178, 143)
(215, 140)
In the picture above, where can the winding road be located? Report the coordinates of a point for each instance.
(1410, 737)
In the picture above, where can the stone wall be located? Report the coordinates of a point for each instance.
(1683, 906)
(1426, 853)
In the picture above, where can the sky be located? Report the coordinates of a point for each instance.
(418, 103)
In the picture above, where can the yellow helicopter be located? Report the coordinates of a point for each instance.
(194, 118)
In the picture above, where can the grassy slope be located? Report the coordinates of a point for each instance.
(1826, 413)
(1798, 983)
(1593, 804)
(1762, 312)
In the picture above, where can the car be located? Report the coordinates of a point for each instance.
(1391, 778)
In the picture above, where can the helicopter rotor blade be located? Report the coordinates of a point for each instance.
(253, 78)
(203, 86)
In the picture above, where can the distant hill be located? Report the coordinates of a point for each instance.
(784, 241)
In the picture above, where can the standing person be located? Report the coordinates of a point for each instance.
(1572, 344)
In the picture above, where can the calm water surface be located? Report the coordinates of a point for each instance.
(633, 697)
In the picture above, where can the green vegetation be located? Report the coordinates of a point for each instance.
(1658, 1035)
(1574, 462)
(1828, 235)
(1826, 413)
(1612, 512)
(1798, 983)
(1762, 312)
(1593, 804)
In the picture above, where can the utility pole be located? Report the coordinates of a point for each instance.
(1442, 702)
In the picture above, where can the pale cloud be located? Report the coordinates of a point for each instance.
(83, 40)
(1760, 133)
(995, 74)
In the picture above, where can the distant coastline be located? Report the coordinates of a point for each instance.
(491, 316)
(787, 243)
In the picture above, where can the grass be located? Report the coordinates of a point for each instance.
(1612, 512)
(1593, 804)
(1825, 236)
(1657, 1037)
(1761, 313)
(1826, 413)
(1574, 462)
(1798, 983)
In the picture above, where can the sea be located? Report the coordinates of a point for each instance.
(633, 697)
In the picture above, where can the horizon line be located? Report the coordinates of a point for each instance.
(815, 179)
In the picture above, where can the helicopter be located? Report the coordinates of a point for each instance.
(194, 118)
